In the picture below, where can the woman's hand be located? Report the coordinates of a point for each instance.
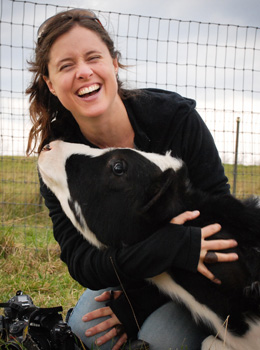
(206, 246)
(213, 245)
(113, 322)
(186, 216)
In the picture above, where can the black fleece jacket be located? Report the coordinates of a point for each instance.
(162, 121)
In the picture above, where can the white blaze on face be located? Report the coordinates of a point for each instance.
(51, 165)
(51, 162)
(164, 162)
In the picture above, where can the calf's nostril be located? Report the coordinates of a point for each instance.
(46, 148)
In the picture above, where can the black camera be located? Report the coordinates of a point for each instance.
(25, 326)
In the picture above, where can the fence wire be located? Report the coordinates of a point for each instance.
(218, 65)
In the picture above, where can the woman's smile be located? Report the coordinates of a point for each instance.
(89, 90)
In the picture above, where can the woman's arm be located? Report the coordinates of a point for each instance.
(199, 152)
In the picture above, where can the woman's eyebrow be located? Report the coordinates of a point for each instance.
(92, 51)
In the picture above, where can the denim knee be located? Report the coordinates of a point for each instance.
(171, 327)
(86, 304)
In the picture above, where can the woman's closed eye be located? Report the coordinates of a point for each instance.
(65, 66)
(94, 58)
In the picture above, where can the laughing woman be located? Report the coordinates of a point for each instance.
(76, 95)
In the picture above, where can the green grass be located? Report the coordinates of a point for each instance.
(39, 273)
(29, 255)
(248, 180)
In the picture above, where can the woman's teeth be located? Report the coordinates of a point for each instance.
(88, 90)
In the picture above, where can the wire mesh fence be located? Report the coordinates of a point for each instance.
(218, 65)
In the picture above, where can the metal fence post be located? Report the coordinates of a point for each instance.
(236, 156)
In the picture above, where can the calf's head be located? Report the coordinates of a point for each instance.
(113, 196)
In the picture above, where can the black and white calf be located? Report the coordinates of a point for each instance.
(110, 191)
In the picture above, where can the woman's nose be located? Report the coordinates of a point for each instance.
(84, 71)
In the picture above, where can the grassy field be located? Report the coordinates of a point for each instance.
(247, 180)
(29, 256)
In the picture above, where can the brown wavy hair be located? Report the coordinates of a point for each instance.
(44, 106)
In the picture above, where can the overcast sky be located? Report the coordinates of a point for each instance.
(241, 12)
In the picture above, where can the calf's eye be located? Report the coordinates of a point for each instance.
(119, 168)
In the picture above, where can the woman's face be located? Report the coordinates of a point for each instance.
(82, 74)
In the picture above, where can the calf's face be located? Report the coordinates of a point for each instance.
(109, 192)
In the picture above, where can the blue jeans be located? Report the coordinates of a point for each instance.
(170, 327)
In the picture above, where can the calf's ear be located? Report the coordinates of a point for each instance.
(159, 196)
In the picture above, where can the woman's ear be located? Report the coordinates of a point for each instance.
(115, 64)
(49, 84)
